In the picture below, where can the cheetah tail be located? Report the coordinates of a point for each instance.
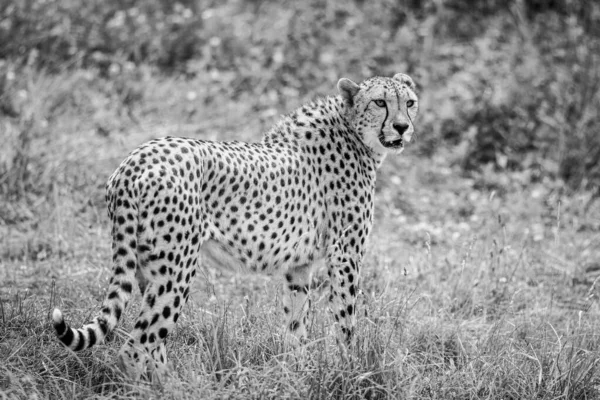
(79, 339)
(118, 295)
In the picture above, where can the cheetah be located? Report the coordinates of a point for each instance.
(304, 193)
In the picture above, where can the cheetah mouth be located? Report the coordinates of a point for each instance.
(391, 144)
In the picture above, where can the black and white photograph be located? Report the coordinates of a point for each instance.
(261, 199)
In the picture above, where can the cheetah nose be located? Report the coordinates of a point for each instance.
(400, 127)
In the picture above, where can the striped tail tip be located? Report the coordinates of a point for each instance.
(77, 339)
(63, 331)
(59, 323)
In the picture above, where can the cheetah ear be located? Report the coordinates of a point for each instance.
(405, 79)
(348, 90)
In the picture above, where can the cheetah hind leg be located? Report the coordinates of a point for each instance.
(144, 354)
(168, 257)
(163, 299)
(138, 364)
(296, 303)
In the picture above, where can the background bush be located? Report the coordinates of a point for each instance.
(509, 84)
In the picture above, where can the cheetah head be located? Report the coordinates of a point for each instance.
(382, 111)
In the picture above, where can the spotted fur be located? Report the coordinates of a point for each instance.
(304, 193)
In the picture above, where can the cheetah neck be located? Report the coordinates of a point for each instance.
(319, 121)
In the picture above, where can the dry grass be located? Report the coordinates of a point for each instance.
(473, 287)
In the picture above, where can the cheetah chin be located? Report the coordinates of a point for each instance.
(396, 144)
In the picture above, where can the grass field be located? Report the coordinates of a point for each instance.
(476, 285)
(473, 287)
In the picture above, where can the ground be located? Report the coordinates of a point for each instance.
(472, 287)
(481, 278)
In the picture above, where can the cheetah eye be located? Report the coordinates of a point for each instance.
(410, 103)
(380, 103)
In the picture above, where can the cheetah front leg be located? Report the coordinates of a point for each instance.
(296, 303)
(343, 271)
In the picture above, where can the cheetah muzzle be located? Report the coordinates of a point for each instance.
(304, 193)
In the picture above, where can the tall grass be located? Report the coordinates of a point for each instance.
(410, 345)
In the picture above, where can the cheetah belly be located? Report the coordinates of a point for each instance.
(245, 254)
(219, 256)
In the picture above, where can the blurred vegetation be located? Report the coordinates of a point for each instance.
(509, 85)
